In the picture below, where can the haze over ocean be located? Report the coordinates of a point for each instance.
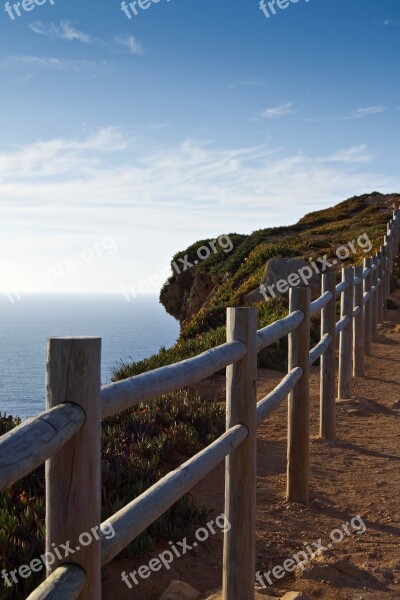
(129, 330)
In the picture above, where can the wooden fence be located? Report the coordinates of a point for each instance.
(68, 435)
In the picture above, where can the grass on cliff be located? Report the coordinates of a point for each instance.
(232, 276)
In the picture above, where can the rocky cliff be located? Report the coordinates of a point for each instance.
(198, 290)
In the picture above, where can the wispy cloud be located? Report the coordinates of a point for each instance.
(81, 170)
(278, 111)
(130, 43)
(392, 22)
(64, 31)
(50, 63)
(68, 190)
(247, 84)
(63, 157)
(353, 155)
(359, 113)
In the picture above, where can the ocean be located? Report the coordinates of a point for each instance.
(129, 331)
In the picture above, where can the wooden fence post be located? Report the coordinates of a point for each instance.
(240, 474)
(368, 309)
(298, 450)
(327, 427)
(397, 223)
(390, 242)
(375, 297)
(73, 475)
(395, 234)
(381, 287)
(346, 336)
(358, 327)
(386, 267)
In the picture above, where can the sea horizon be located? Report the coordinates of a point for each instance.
(130, 331)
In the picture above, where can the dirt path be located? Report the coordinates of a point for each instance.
(357, 474)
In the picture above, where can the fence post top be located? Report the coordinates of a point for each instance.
(242, 308)
(348, 271)
(73, 338)
(329, 276)
(299, 295)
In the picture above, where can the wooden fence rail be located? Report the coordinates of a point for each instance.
(67, 435)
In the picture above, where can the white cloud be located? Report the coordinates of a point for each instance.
(51, 63)
(356, 154)
(61, 157)
(65, 31)
(247, 84)
(359, 113)
(278, 111)
(155, 200)
(130, 43)
(189, 172)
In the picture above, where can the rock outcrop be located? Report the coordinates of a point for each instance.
(183, 295)
(291, 270)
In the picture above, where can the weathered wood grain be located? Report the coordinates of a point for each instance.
(346, 337)
(73, 475)
(136, 516)
(327, 421)
(320, 303)
(240, 469)
(358, 328)
(30, 444)
(320, 348)
(65, 583)
(299, 402)
(121, 395)
(277, 330)
(368, 308)
(266, 406)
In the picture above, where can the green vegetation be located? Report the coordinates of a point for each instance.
(139, 446)
(236, 274)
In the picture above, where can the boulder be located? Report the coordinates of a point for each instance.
(178, 590)
(282, 273)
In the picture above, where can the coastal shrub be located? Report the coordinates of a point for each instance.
(139, 446)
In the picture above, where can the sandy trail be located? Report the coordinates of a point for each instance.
(357, 474)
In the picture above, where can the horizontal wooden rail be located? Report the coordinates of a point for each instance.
(272, 401)
(342, 324)
(121, 395)
(342, 287)
(317, 305)
(134, 518)
(320, 348)
(65, 583)
(29, 445)
(279, 329)
(67, 436)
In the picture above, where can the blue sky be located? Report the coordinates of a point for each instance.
(125, 140)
